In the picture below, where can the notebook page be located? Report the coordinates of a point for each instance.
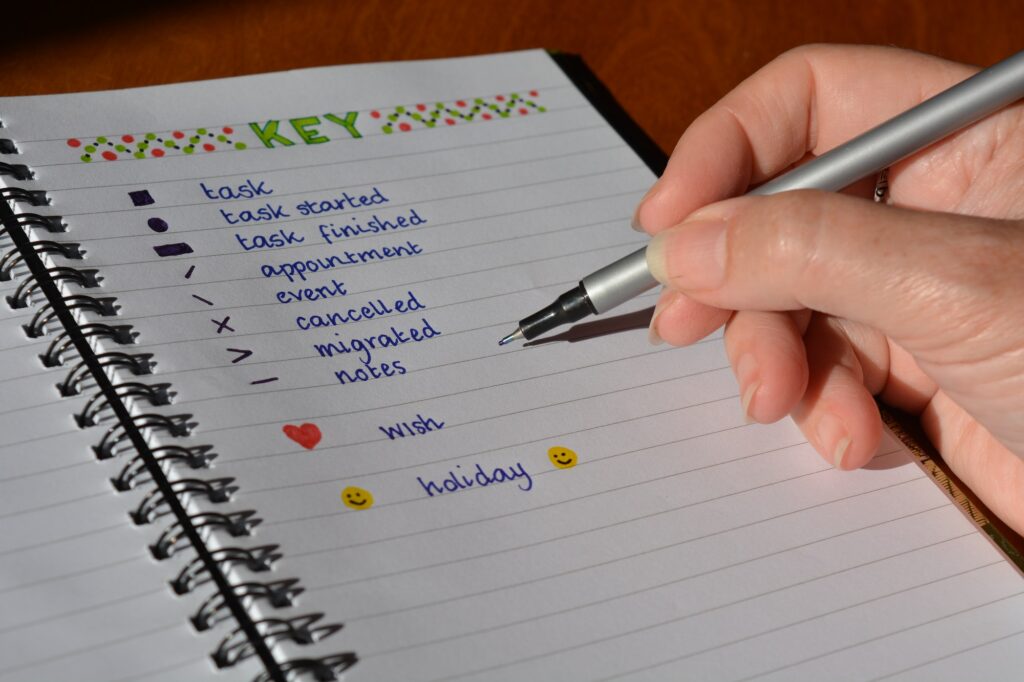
(82, 597)
(586, 508)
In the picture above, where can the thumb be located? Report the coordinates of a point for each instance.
(921, 278)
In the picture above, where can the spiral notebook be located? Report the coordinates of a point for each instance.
(256, 424)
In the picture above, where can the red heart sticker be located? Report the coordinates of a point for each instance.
(306, 435)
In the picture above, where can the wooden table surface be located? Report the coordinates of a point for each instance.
(669, 60)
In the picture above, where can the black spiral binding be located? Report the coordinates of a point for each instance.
(128, 435)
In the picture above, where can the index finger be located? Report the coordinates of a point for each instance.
(806, 101)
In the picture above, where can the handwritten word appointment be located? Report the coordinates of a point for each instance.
(298, 269)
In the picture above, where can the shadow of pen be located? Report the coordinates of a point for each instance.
(641, 319)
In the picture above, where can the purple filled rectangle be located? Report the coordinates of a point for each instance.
(179, 249)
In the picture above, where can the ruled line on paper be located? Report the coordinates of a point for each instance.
(108, 603)
(952, 654)
(931, 621)
(91, 648)
(338, 188)
(399, 285)
(449, 223)
(825, 468)
(449, 395)
(73, 574)
(553, 86)
(278, 168)
(743, 639)
(693, 614)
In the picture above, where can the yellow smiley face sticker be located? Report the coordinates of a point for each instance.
(562, 458)
(357, 498)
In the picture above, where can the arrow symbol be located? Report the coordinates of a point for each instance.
(242, 354)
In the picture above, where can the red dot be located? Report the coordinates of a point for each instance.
(533, 93)
(450, 121)
(228, 130)
(523, 111)
(73, 142)
(375, 113)
(500, 98)
(487, 117)
(109, 155)
(460, 103)
(208, 147)
(404, 127)
(421, 107)
(127, 138)
(158, 153)
(178, 134)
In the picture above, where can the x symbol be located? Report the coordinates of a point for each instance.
(223, 324)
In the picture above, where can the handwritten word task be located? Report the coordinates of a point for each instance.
(575, 509)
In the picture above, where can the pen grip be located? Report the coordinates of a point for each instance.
(619, 282)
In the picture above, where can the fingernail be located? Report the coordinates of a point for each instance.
(635, 223)
(748, 395)
(666, 300)
(746, 374)
(690, 256)
(833, 438)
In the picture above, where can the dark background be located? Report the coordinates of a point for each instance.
(669, 60)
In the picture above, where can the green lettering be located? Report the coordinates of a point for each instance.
(304, 127)
(348, 123)
(268, 134)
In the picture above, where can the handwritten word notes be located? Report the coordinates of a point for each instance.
(370, 278)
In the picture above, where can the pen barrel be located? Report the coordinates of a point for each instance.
(932, 120)
(619, 282)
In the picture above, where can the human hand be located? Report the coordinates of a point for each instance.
(840, 298)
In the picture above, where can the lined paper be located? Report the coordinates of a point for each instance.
(680, 542)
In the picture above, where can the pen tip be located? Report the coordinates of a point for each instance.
(517, 334)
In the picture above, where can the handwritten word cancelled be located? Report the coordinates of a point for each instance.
(307, 129)
(247, 190)
(458, 479)
(299, 268)
(376, 308)
(365, 345)
(420, 426)
(331, 232)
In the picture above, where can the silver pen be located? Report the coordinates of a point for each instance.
(934, 119)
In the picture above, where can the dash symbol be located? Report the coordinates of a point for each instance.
(200, 298)
(243, 354)
(262, 381)
(191, 269)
